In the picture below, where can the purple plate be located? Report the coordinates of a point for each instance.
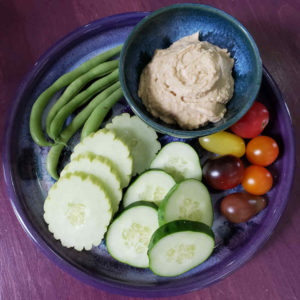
(28, 182)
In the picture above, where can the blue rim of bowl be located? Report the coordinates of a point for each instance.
(179, 132)
(241, 255)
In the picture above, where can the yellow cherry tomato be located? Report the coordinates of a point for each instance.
(223, 143)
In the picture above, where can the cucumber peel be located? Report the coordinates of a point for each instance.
(187, 200)
(78, 210)
(102, 168)
(152, 185)
(129, 234)
(107, 144)
(178, 159)
(179, 246)
(140, 138)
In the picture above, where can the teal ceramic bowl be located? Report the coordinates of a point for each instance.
(167, 25)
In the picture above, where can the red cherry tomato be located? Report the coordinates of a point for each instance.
(262, 150)
(253, 122)
(257, 180)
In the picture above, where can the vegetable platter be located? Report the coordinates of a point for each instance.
(28, 181)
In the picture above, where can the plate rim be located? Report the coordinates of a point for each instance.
(112, 286)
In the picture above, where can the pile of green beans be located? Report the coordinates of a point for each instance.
(61, 116)
(40, 104)
(96, 118)
(76, 86)
(106, 91)
(108, 97)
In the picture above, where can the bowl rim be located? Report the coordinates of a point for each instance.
(110, 285)
(181, 133)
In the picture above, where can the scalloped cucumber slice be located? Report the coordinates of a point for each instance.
(78, 210)
(102, 168)
(129, 234)
(141, 139)
(107, 144)
(179, 246)
(153, 186)
(187, 200)
(180, 160)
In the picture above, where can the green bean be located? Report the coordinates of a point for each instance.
(73, 127)
(35, 123)
(74, 88)
(79, 100)
(96, 118)
(53, 158)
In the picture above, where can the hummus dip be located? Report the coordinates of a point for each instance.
(188, 83)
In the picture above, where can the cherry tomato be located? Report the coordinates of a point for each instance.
(240, 207)
(253, 122)
(257, 180)
(224, 172)
(262, 150)
(223, 143)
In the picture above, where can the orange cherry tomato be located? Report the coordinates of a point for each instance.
(257, 180)
(262, 150)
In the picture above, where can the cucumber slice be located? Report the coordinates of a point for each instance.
(141, 139)
(129, 234)
(78, 210)
(102, 168)
(151, 186)
(179, 160)
(179, 246)
(188, 200)
(106, 143)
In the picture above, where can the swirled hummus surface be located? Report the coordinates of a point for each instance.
(188, 83)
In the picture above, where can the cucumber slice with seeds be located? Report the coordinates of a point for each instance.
(129, 234)
(107, 144)
(179, 246)
(141, 139)
(188, 200)
(179, 160)
(102, 168)
(151, 186)
(78, 210)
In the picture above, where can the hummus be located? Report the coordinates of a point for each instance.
(188, 83)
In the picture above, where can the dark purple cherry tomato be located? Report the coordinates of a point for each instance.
(253, 122)
(240, 207)
(224, 172)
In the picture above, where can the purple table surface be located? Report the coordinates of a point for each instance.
(28, 28)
